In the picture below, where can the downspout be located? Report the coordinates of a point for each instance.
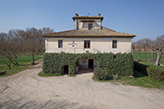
(76, 24)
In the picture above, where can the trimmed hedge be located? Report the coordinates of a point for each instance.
(152, 72)
(113, 63)
(155, 74)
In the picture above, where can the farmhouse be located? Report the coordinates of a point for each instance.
(88, 36)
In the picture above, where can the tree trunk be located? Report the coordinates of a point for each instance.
(148, 57)
(152, 55)
(33, 61)
(9, 65)
(16, 61)
(159, 53)
(139, 55)
(163, 57)
(132, 52)
(15, 57)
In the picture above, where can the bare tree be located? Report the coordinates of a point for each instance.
(4, 50)
(139, 47)
(14, 44)
(147, 44)
(133, 47)
(159, 43)
(31, 39)
(47, 30)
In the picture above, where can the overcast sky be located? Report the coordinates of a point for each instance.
(144, 18)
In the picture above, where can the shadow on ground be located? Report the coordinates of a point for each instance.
(51, 104)
(83, 71)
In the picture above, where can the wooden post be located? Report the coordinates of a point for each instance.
(139, 55)
(148, 56)
(151, 55)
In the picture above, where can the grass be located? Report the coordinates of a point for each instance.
(22, 60)
(144, 56)
(140, 80)
(14, 69)
(152, 65)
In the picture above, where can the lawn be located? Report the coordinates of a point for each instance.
(152, 65)
(144, 56)
(23, 59)
(140, 80)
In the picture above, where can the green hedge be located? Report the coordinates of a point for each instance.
(152, 72)
(113, 63)
(155, 74)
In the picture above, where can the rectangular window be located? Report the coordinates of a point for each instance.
(90, 26)
(114, 44)
(60, 43)
(87, 44)
(85, 25)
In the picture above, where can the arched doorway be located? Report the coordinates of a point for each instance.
(65, 69)
(86, 65)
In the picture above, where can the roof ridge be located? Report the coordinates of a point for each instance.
(107, 28)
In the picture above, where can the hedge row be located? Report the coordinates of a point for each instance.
(121, 64)
(152, 72)
(155, 74)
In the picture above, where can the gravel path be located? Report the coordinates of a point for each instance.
(27, 90)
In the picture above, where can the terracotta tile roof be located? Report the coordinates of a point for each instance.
(98, 33)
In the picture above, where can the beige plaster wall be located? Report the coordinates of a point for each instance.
(96, 24)
(85, 64)
(96, 45)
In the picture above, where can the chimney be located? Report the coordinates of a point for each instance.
(76, 22)
(76, 14)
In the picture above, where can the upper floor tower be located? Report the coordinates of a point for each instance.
(88, 22)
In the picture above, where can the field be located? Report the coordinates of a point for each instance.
(24, 61)
(24, 58)
(144, 56)
(152, 65)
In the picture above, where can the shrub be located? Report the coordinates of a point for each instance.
(155, 74)
(101, 74)
(115, 77)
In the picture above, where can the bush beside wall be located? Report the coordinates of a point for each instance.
(152, 72)
(101, 74)
(121, 64)
(155, 74)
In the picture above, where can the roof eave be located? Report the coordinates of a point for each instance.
(90, 36)
(79, 17)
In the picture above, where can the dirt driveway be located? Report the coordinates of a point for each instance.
(27, 90)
